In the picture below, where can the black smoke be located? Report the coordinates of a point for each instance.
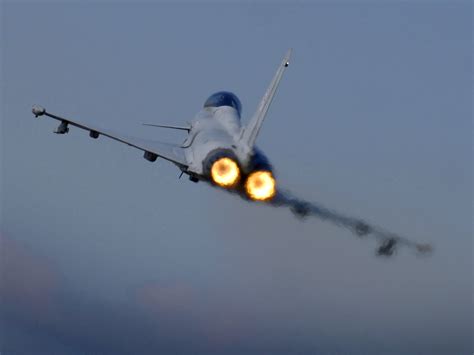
(388, 241)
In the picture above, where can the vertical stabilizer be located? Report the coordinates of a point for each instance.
(250, 132)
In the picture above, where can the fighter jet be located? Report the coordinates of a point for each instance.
(218, 149)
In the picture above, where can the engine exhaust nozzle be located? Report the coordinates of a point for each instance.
(260, 185)
(225, 172)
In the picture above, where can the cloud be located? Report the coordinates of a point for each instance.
(29, 283)
(212, 321)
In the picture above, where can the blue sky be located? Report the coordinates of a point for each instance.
(104, 252)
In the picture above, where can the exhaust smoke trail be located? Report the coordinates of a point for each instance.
(388, 240)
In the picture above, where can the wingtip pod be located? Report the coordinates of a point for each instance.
(38, 110)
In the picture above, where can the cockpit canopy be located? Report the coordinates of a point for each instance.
(224, 98)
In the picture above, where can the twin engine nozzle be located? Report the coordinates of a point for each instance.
(225, 172)
(259, 184)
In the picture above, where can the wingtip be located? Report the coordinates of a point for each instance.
(38, 110)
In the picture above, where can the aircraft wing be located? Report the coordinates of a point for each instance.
(153, 149)
(250, 132)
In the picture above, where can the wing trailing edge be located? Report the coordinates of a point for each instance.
(153, 149)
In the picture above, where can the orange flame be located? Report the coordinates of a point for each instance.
(225, 172)
(260, 185)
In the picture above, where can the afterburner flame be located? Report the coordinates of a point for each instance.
(225, 172)
(260, 185)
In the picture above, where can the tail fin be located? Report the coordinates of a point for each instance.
(250, 132)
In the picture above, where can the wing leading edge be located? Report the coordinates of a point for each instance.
(152, 149)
